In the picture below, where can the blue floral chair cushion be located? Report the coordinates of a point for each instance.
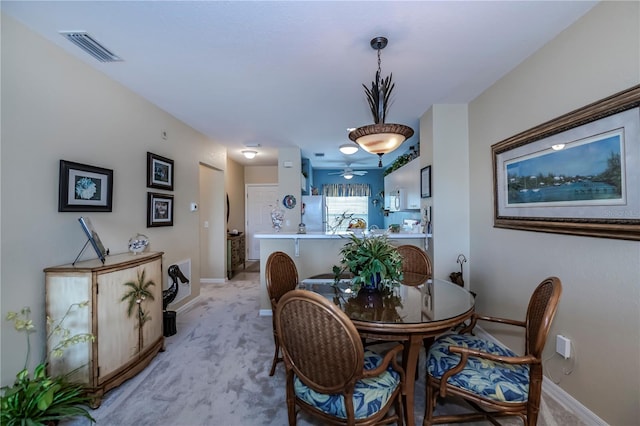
(369, 396)
(489, 379)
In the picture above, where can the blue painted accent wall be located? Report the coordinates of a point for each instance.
(374, 177)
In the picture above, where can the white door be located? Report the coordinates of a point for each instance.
(260, 200)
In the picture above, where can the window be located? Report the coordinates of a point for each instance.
(356, 206)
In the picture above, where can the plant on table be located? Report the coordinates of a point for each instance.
(373, 261)
(40, 399)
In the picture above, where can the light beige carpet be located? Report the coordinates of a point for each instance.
(215, 372)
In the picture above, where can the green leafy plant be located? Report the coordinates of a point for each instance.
(40, 399)
(373, 260)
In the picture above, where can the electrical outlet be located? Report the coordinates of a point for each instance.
(563, 346)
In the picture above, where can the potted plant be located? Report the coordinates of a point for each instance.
(374, 262)
(40, 399)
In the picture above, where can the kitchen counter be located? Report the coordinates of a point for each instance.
(314, 253)
(328, 235)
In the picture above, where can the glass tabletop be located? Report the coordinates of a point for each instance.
(434, 300)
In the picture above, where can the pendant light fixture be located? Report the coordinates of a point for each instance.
(380, 138)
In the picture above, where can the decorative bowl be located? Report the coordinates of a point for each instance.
(138, 243)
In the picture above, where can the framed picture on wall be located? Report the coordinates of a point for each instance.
(159, 209)
(159, 172)
(84, 188)
(425, 182)
(576, 174)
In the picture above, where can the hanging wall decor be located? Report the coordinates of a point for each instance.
(576, 174)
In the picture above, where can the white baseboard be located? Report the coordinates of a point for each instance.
(555, 392)
(266, 313)
(188, 305)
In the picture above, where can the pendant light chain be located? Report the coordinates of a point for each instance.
(381, 96)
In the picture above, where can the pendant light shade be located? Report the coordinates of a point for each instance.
(380, 138)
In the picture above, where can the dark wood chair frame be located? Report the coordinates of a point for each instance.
(281, 276)
(322, 347)
(416, 265)
(540, 313)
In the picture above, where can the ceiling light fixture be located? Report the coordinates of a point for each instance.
(347, 175)
(380, 138)
(557, 147)
(348, 148)
(249, 154)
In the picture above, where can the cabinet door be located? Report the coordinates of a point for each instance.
(152, 329)
(118, 330)
(64, 290)
(412, 178)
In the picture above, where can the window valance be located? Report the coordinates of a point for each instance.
(346, 190)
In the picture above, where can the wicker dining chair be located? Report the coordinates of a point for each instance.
(281, 276)
(329, 374)
(416, 265)
(492, 379)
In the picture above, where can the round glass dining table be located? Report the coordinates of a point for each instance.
(410, 314)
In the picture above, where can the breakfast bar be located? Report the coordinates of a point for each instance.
(314, 252)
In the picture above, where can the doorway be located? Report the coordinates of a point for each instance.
(212, 224)
(260, 200)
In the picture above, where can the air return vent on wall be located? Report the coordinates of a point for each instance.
(87, 43)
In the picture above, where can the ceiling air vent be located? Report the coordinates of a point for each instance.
(87, 43)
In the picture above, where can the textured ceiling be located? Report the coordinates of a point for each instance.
(291, 73)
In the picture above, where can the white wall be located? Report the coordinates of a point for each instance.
(444, 134)
(599, 309)
(260, 174)
(57, 107)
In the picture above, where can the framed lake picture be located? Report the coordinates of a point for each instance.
(84, 188)
(159, 172)
(578, 174)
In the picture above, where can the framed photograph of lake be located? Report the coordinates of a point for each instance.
(577, 174)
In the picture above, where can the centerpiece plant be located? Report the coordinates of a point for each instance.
(38, 398)
(374, 262)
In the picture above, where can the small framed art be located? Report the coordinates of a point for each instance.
(84, 188)
(93, 237)
(425, 182)
(159, 172)
(159, 209)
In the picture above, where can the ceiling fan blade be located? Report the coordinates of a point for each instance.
(359, 172)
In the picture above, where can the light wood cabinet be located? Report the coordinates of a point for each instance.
(235, 253)
(124, 344)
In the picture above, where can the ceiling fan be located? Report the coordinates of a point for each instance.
(349, 173)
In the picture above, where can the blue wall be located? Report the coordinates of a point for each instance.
(374, 177)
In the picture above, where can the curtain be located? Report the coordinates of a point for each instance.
(346, 190)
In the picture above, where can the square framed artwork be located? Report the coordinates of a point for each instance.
(159, 172)
(577, 174)
(425, 182)
(159, 209)
(84, 188)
